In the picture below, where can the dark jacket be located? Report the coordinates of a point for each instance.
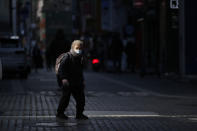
(71, 68)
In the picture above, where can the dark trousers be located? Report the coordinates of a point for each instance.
(59, 81)
(79, 96)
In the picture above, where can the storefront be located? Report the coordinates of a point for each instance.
(5, 16)
(190, 37)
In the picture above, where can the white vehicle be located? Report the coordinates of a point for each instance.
(13, 58)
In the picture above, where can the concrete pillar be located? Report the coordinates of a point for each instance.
(162, 37)
(182, 38)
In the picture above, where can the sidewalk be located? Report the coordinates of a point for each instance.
(124, 109)
(36, 112)
(162, 86)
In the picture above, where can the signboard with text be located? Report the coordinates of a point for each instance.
(174, 4)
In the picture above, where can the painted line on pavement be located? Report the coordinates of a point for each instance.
(119, 113)
(191, 117)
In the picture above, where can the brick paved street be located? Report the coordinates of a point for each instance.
(111, 104)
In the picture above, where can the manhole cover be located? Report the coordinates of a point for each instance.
(55, 124)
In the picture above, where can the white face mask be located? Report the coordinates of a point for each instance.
(77, 51)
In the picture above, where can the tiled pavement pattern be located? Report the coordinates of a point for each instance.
(36, 112)
(112, 111)
(99, 124)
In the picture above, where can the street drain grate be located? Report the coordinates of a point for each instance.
(55, 124)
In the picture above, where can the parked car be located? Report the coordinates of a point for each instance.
(13, 58)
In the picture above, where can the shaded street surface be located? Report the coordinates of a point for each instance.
(121, 102)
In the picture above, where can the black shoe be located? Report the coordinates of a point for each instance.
(81, 117)
(62, 116)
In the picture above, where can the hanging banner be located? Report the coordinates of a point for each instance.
(106, 15)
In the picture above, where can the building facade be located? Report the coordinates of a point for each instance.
(188, 46)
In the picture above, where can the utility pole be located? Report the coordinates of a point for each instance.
(182, 38)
